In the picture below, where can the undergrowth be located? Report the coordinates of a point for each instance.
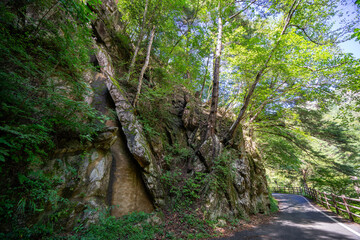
(135, 226)
(42, 91)
(274, 205)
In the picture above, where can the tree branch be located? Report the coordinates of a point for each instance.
(259, 75)
(203, 85)
(231, 17)
(137, 47)
(152, 34)
(289, 138)
(269, 100)
(188, 30)
(307, 35)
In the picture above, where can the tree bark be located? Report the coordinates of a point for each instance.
(208, 92)
(216, 76)
(304, 176)
(137, 48)
(152, 34)
(204, 82)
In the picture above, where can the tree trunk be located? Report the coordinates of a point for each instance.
(260, 73)
(144, 67)
(137, 48)
(304, 176)
(216, 75)
(208, 92)
(236, 124)
(204, 82)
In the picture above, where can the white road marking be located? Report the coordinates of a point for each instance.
(341, 224)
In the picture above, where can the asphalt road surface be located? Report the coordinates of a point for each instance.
(298, 219)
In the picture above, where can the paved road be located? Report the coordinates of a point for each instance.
(300, 220)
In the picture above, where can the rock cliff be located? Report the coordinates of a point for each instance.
(136, 168)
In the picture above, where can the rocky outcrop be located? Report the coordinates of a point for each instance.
(127, 191)
(84, 169)
(259, 200)
(239, 187)
(125, 168)
(132, 129)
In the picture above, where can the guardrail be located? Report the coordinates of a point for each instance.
(339, 204)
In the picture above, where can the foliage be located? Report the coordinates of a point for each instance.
(187, 224)
(357, 30)
(133, 226)
(44, 53)
(283, 72)
(183, 191)
(323, 147)
(223, 173)
(274, 206)
(154, 110)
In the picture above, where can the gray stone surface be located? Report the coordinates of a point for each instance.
(85, 171)
(133, 131)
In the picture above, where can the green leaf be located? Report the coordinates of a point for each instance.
(22, 178)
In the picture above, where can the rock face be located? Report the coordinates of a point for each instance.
(245, 189)
(85, 173)
(126, 167)
(136, 141)
(127, 192)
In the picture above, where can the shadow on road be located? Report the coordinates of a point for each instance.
(288, 233)
(297, 220)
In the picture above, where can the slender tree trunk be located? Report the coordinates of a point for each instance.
(236, 124)
(264, 103)
(216, 75)
(304, 176)
(208, 92)
(188, 76)
(203, 85)
(152, 34)
(137, 47)
(258, 77)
